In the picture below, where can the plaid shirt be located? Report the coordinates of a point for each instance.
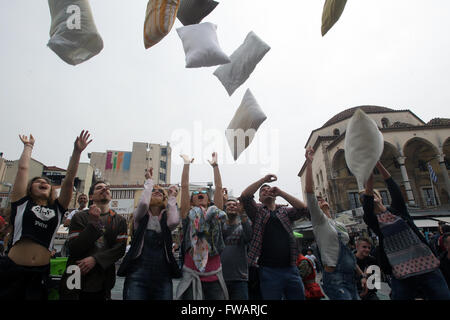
(260, 214)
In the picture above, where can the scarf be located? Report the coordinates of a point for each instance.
(205, 234)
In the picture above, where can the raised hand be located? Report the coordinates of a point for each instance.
(213, 162)
(225, 194)
(275, 191)
(82, 141)
(173, 191)
(186, 159)
(94, 211)
(26, 140)
(270, 178)
(309, 155)
(148, 173)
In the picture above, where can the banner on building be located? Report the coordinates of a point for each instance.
(118, 160)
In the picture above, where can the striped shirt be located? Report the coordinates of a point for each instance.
(259, 215)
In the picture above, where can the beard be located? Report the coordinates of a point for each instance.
(155, 202)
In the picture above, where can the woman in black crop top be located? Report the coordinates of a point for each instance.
(35, 217)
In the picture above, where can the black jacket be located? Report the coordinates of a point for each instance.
(398, 207)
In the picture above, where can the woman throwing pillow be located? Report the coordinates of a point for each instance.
(404, 252)
(35, 218)
(202, 239)
(339, 262)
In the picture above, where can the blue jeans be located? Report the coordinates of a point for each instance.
(340, 286)
(237, 290)
(278, 283)
(341, 283)
(149, 276)
(139, 286)
(431, 284)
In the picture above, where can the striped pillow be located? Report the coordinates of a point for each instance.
(159, 19)
(193, 11)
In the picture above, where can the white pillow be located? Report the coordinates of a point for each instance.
(363, 146)
(201, 46)
(245, 123)
(73, 35)
(243, 62)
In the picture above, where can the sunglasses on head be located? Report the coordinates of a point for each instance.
(197, 192)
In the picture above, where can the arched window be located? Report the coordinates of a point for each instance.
(336, 132)
(385, 122)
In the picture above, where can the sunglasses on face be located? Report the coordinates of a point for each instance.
(159, 191)
(198, 192)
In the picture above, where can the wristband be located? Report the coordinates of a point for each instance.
(214, 165)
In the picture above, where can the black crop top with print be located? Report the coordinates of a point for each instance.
(35, 222)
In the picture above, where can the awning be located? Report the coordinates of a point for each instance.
(445, 219)
(426, 223)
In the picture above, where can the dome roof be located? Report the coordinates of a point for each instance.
(349, 112)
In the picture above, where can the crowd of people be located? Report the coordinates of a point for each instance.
(229, 248)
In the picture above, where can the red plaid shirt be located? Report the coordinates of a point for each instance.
(259, 215)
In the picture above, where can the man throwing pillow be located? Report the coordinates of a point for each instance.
(273, 247)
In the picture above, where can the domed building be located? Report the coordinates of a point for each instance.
(410, 145)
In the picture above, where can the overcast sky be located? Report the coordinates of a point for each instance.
(381, 52)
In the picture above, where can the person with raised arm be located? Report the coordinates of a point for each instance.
(35, 218)
(273, 248)
(152, 264)
(404, 252)
(202, 241)
(339, 263)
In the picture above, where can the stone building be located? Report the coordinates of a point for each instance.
(410, 145)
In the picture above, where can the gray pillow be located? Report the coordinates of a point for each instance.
(193, 11)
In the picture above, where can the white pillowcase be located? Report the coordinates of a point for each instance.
(245, 123)
(363, 146)
(243, 62)
(201, 46)
(73, 35)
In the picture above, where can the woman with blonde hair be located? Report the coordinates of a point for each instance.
(35, 218)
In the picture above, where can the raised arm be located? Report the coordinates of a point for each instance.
(144, 201)
(80, 144)
(317, 216)
(19, 189)
(386, 175)
(185, 199)
(173, 217)
(309, 185)
(293, 201)
(251, 189)
(398, 202)
(218, 193)
(368, 206)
